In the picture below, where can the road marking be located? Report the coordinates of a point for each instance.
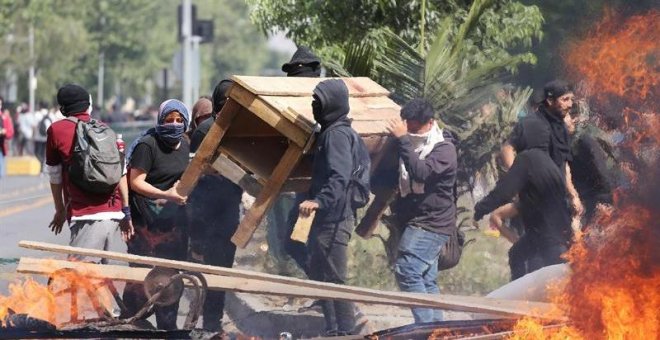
(20, 192)
(24, 207)
(6, 202)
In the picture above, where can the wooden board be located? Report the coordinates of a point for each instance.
(257, 106)
(236, 174)
(361, 109)
(267, 196)
(448, 302)
(300, 86)
(302, 228)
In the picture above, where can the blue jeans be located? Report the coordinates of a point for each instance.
(2, 164)
(416, 267)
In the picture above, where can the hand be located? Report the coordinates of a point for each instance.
(397, 127)
(475, 223)
(172, 195)
(58, 221)
(576, 206)
(307, 207)
(127, 230)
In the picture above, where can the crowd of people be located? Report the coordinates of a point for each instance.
(145, 214)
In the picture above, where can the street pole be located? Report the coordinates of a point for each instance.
(32, 80)
(186, 33)
(101, 76)
(195, 66)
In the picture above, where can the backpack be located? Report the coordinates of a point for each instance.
(359, 187)
(95, 161)
(44, 123)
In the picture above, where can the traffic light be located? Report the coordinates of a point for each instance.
(200, 28)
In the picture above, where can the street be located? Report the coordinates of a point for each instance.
(26, 208)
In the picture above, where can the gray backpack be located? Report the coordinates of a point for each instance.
(95, 162)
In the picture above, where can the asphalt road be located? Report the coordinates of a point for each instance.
(26, 209)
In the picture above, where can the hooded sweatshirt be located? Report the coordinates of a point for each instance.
(333, 161)
(539, 182)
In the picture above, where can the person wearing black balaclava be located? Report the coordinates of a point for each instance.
(282, 216)
(539, 184)
(328, 197)
(214, 212)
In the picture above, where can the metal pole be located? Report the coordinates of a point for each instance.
(195, 68)
(186, 32)
(101, 80)
(32, 81)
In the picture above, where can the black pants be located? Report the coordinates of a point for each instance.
(168, 244)
(219, 251)
(328, 246)
(531, 253)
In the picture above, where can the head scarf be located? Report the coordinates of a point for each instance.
(171, 133)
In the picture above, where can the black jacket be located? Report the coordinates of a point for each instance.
(435, 210)
(591, 177)
(542, 192)
(543, 124)
(333, 160)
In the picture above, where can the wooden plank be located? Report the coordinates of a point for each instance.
(303, 226)
(236, 174)
(269, 115)
(448, 302)
(299, 86)
(299, 109)
(207, 150)
(267, 196)
(369, 222)
(35, 266)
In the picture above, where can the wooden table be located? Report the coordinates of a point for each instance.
(262, 135)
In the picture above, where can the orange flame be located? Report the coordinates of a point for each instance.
(614, 289)
(53, 303)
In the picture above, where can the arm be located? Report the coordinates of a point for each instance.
(60, 210)
(507, 154)
(573, 195)
(54, 169)
(442, 157)
(140, 185)
(505, 189)
(126, 224)
(340, 162)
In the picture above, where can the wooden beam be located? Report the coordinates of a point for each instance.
(269, 115)
(207, 150)
(300, 86)
(236, 174)
(448, 302)
(28, 265)
(267, 195)
(369, 222)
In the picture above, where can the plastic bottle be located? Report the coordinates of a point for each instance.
(120, 144)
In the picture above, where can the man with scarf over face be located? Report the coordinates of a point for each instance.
(328, 196)
(426, 205)
(156, 161)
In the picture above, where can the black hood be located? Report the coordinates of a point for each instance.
(303, 61)
(332, 95)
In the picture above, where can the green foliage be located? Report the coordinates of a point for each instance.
(137, 38)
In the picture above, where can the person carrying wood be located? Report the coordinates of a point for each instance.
(214, 208)
(425, 207)
(329, 199)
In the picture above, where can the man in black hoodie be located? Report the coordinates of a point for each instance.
(426, 204)
(539, 184)
(328, 196)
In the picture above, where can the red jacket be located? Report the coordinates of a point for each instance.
(59, 147)
(8, 125)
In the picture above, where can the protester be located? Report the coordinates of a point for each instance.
(156, 161)
(282, 216)
(95, 219)
(6, 134)
(539, 184)
(335, 151)
(26, 124)
(44, 120)
(201, 110)
(214, 213)
(426, 205)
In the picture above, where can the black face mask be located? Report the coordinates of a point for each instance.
(317, 109)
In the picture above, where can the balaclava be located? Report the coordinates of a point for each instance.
(330, 102)
(172, 133)
(303, 63)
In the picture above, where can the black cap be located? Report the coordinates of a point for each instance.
(303, 56)
(556, 89)
(72, 99)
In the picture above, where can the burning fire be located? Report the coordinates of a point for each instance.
(614, 289)
(53, 302)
